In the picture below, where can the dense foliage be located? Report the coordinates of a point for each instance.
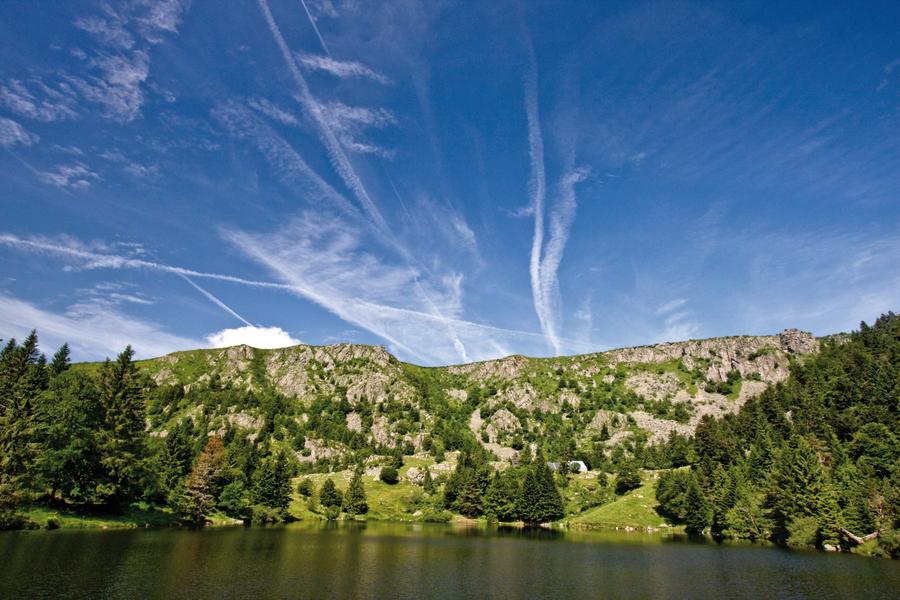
(77, 438)
(812, 461)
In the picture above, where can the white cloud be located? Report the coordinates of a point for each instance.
(161, 16)
(94, 330)
(671, 305)
(11, 133)
(419, 313)
(286, 162)
(320, 260)
(117, 88)
(55, 105)
(112, 75)
(273, 112)
(76, 176)
(349, 124)
(108, 29)
(255, 337)
(339, 68)
(327, 135)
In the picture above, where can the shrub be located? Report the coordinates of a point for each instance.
(803, 532)
(389, 475)
(53, 523)
(305, 488)
(627, 479)
(264, 515)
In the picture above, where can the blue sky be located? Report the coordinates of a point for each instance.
(456, 181)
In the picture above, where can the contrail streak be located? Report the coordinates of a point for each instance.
(336, 152)
(538, 189)
(216, 301)
(315, 28)
(338, 157)
(96, 260)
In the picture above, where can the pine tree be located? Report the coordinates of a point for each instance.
(798, 484)
(355, 498)
(468, 501)
(23, 375)
(428, 482)
(177, 455)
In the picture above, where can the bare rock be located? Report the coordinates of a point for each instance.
(354, 422)
(415, 475)
(653, 386)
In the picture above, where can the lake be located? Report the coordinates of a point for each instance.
(378, 560)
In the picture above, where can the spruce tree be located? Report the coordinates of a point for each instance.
(696, 508)
(23, 375)
(500, 497)
(68, 462)
(428, 482)
(61, 361)
(329, 495)
(272, 483)
(539, 499)
(355, 498)
(122, 440)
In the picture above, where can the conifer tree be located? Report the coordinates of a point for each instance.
(355, 498)
(329, 495)
(539, 499)
(70, 417)
(428, 482)
(122, 440)
(202, 486)
(272, 483)
(22, 378)
(61, 361)
(500, 497)
(696, 509)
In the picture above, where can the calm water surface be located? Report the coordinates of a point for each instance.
(418, 561)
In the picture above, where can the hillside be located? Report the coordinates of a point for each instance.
(345, 396)
(786, 438)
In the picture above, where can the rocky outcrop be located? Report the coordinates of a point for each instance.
(653, 386)
(510, 367)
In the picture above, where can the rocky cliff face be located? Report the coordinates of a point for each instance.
(648, 391)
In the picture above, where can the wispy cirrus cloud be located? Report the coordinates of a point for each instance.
(284, 160)
(349, 124)
(52, 105)
(113, 73)
(340, 68)
(320, 258)
(277, 113)
(75, 176)
(117, 85)
(418, 313)
(13, 134)
(327, 135)
(94, 330)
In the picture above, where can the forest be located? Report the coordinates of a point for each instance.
(812, 461)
